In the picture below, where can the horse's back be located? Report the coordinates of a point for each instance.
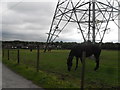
(90, 49)
(76, 50)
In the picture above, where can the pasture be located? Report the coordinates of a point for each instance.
(54, 63)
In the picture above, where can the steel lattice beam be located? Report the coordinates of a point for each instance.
(92, 14)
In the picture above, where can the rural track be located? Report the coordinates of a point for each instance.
(12, 80)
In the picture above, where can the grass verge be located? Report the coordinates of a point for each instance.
(40, 78)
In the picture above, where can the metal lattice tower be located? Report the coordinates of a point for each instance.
(91, 16)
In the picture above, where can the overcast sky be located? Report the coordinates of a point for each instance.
(30, 21)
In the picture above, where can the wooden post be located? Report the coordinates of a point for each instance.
(38, 52)
(83, 70)
(8, 54)
(18, 56)
(3, 52)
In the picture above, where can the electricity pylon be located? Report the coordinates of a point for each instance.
(91, 16)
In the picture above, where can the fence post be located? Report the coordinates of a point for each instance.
(8, 54)
(18, 56)
(38, 52)
(83, 70)
(3, 52)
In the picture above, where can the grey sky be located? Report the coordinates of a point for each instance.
(27, 21)
(30, 21)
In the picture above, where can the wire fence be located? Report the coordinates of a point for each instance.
(23, 56)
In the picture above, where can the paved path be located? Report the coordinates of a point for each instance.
(13, 80)
(0, 75)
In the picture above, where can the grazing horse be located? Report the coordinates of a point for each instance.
(89, 49)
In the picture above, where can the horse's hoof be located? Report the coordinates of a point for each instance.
(69, 70)
(95, 69)
(75, 69)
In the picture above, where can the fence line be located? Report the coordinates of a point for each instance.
(23, 56)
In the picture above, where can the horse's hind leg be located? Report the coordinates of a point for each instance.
(97, 64)
(81, 59)
(76, 63)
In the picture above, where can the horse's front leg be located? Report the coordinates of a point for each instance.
(81, 59)
(76, 63)
(97, 64)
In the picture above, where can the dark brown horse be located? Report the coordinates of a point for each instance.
(77, 51)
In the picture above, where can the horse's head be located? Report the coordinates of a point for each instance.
(69, 62)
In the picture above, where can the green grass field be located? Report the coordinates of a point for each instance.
(54, 63)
